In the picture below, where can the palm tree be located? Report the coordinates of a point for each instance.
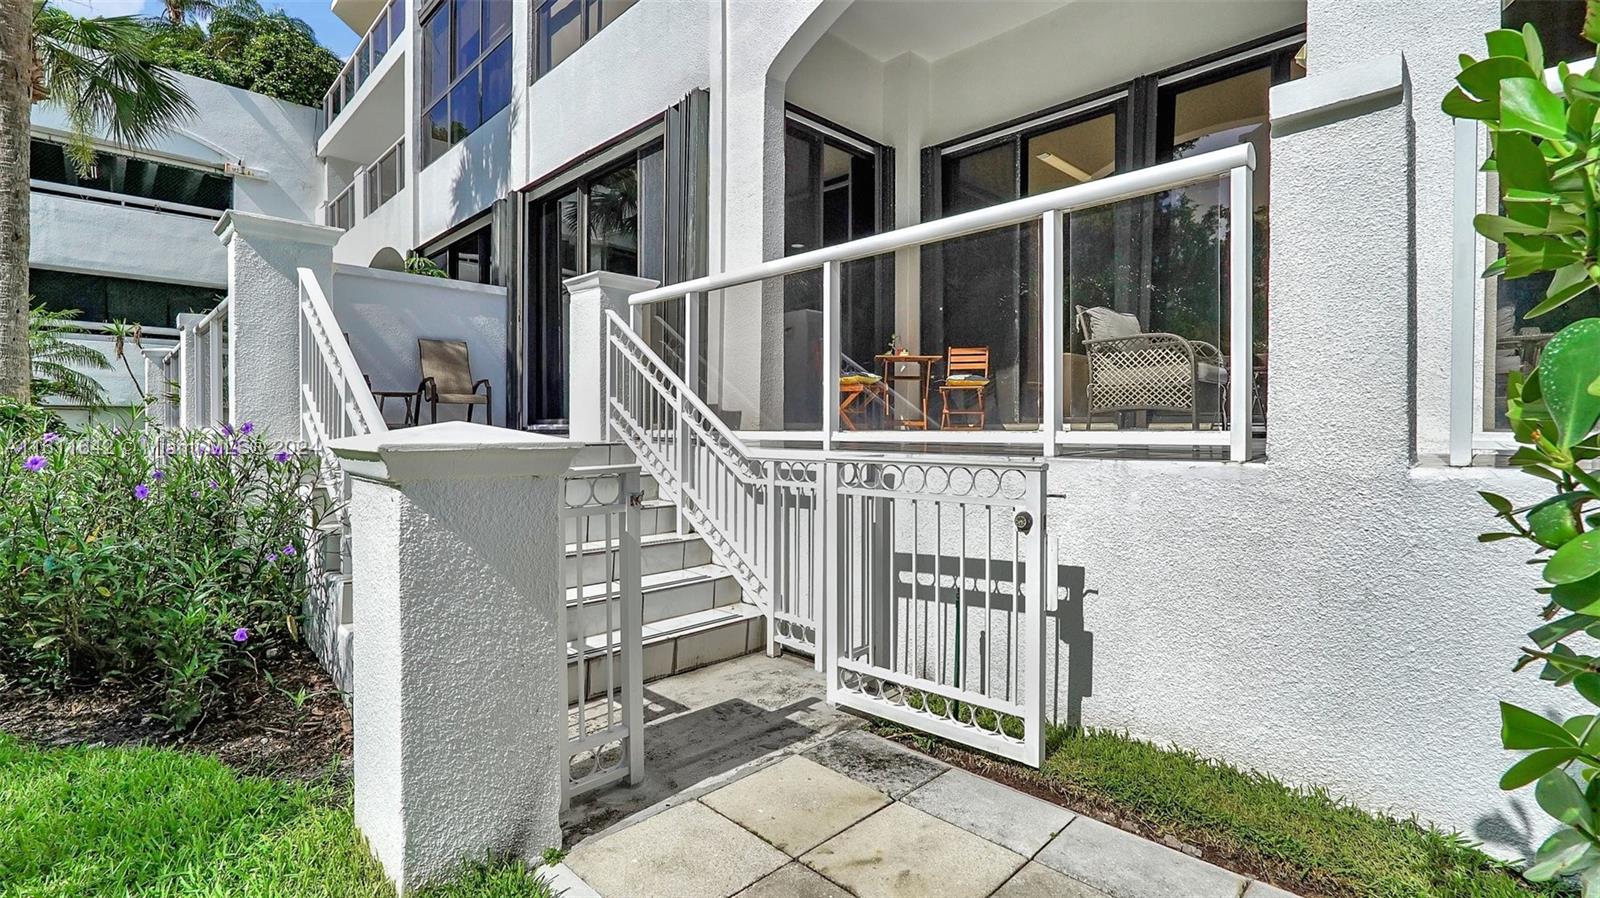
(58, 363)
(99, 71)
(180, 12)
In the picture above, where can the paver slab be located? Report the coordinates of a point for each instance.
(1035, 880)
(901, 852)
(796, 804)
(794, 881)
(879, 763)
(999, 813)
(689, 851)
(1127, 866)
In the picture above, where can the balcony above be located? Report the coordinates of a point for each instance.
(383, 38)
(358, 14)
(373, 117)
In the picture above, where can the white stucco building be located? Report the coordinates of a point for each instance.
(1266, 537)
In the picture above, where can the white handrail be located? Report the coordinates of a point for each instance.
(362, 409)
(1110, 189)
(217, 312)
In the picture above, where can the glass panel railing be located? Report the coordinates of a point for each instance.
(384, 33)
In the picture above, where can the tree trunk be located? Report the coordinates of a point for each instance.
(16, 98)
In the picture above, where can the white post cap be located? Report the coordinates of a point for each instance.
(455, 450)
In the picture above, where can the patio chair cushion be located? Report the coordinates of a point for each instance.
(1109, 324)
(966, 380)
(851, 380)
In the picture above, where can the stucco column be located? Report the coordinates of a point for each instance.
(589, 297)
(460, 709)
(263, 314)
(1341, 387)
(189, 412)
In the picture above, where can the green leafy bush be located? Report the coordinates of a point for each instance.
(1547, 156)
(172, 566)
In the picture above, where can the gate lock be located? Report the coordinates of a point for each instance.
(1024, 521)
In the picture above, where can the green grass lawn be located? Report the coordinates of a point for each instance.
(91, 822)
(1303, 840)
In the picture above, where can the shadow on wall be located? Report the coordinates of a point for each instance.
(481, 176)
(388, 259)
(959, 623)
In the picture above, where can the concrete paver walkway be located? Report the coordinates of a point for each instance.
(857, 815)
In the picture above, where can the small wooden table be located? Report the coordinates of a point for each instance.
(922, 375)
(405, 396)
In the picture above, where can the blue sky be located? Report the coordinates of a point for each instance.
(333, 33)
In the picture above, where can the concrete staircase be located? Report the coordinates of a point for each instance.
(695, 612)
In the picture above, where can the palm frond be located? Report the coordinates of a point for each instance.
(101, 73)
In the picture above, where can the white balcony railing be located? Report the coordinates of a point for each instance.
(1233, 166)
(384, 34)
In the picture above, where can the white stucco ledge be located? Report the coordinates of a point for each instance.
(454, 450)
(609, 281)
(251, 225)
(1322, 98)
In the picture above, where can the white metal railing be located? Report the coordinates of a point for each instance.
(719, 486)
(375, 44)
(123, 199)
(203, 363)
(335, 401)
(164, 393)
(602, 622)
(1049, 209)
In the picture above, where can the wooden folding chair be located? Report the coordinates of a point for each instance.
(966, 372)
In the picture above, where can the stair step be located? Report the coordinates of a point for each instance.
(667, 594)
(676, 645)
(657, 553)
(655, 516)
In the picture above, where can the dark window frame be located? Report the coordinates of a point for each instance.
(591, 21)
(70, 184)
(488, 45)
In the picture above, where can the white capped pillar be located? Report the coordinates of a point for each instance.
(456, 545)
(589, 297)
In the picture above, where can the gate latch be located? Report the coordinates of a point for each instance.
(1024, 521)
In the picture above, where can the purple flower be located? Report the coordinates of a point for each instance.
(246, 428)
(36, 463)
(141, 492)
(280, 457)
(241, 635)
(49, 437)
(195, 494)
(288, 551)
(271, 556)
(158, 475)
(215, 450)
(227, 430)
(211, 483)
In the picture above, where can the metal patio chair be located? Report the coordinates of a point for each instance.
(447, 379)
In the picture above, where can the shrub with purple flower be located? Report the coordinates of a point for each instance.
(172, 579)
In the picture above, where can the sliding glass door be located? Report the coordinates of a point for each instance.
(609, 221)
(836, 189)
(1153, 265)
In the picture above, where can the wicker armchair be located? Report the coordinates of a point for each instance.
(1133, 371)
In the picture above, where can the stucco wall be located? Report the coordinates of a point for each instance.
(384, 313)
(89, 237)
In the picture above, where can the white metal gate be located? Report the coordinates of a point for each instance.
(939, 571)
(602, 616)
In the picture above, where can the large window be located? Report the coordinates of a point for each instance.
(466, 70)
(386, 177)
(101, 298)
(1157, 263)
(166, 184)
(467, 258)
(562, 26)
(611, 221)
